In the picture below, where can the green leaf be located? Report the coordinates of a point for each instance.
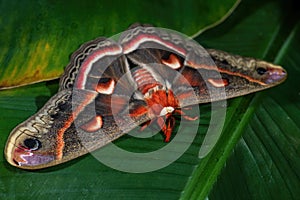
(37, 38)
(265, 161)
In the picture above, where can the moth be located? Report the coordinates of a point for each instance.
(145, 77)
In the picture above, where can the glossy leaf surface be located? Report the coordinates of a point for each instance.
(267, 122)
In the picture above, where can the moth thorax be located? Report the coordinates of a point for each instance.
(154, 89)
(144, 80)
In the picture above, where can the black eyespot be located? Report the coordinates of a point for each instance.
(261, 71)
(32, 144)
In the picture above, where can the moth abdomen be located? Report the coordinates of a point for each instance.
(144, 80)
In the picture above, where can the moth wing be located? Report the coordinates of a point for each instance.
(91, 109)
(113, 106)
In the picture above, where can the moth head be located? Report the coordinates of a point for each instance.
(268, 73)
(26, 149)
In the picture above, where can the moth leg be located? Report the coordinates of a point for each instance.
(185, 116)
(166, 127)
(138, 111)
(145, 125)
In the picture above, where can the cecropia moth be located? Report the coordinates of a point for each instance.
(147, 76)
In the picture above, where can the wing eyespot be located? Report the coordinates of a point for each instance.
(261, 71)
(32, 144)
